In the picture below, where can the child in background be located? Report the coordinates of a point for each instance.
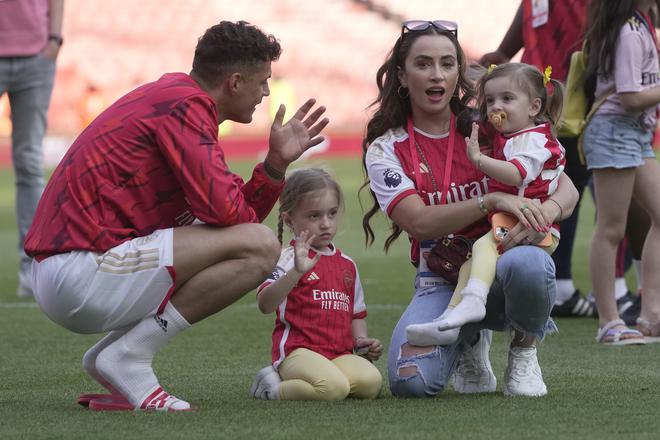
(622, 52)
(316, 292)
(520, 105)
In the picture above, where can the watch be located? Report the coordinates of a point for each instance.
(56, 38)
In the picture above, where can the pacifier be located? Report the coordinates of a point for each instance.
(497, 119)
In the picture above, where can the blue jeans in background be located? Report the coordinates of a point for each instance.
(28, 82)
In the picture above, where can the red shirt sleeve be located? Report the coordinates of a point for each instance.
(188, 139)
(261, 192)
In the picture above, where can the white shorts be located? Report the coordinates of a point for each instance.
(88, 292)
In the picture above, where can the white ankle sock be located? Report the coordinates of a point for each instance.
(637, 264)
(620, 288)
(427, 334)
(565, 289)
(472, 307)
(477, 288)
(126, 363)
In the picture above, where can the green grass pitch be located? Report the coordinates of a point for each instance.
(595, 392)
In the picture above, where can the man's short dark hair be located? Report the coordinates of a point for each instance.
(230, 47)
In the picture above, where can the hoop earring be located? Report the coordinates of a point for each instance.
(398, 92)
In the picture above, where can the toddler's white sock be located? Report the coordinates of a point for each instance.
(472, 307)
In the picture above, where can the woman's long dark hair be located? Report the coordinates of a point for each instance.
(604, 22)
(392, 110)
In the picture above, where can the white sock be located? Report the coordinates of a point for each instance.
(428, 334)
(565, 289)
(89, 358)
(620, 288)
(477, 288)
(637, 264)
(472, 307)
(126, 363)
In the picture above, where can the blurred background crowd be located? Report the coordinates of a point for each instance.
(331, 50)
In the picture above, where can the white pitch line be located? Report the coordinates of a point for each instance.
(369, 306)
(34, 305)
(19, 305)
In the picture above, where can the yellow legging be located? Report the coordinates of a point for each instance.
(483, 263)
(307, 375)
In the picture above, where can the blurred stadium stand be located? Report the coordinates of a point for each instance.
(332, 49)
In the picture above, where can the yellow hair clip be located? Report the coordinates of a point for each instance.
(546, 75)
(491, 67)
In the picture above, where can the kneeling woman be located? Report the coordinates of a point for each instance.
(420, 176)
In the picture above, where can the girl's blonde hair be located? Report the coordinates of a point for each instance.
(530, 81)
(299, 183)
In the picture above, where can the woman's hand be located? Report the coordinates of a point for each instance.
(371, 348)
(528, 211)
(303, 263)
(520, 235)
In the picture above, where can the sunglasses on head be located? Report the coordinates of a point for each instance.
(422, 25)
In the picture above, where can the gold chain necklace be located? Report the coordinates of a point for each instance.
(428, 168)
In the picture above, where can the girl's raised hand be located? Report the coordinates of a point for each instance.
(302, 261)
(473, 150)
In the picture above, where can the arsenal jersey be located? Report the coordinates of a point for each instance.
(539, 158)
(392, 165)
(150, 161)
(319, 311)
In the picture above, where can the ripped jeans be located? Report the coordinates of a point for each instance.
(521, 298)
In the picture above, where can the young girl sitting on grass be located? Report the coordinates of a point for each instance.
(315, 290)
(519, 106)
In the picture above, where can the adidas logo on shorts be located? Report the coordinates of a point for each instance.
(161, 322)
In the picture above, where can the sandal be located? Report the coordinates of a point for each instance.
(610, 335)
(650, 331)
(85, 399)
(159, 400)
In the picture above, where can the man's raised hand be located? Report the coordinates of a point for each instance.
(288, 141)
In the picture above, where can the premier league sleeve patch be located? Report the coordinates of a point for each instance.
(276, 274)
(392, 178)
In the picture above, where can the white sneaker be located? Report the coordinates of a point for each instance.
(266, 384)
(474, 373)
(24, 289)
(523, 374)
